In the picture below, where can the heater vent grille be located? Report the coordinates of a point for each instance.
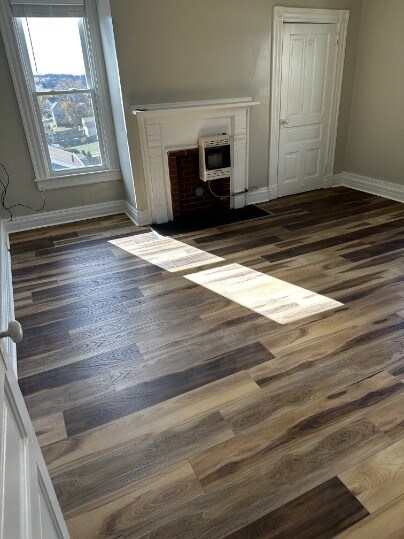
(210, 142)
(214, 157)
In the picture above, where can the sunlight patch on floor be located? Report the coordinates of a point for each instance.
(273, 298)
(167, 253)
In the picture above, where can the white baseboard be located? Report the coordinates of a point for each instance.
(138, 217)
(142, 217)
(333, 180)
(257, 195)
(6, 296)
(373, 186)
(389, 190)
(68, 215)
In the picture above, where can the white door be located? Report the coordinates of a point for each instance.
(28, 505)
(308, 71)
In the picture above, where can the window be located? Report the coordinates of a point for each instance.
(58, 74)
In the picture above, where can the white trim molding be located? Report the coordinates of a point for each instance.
(74, 180)
(21, 73)
(390, 190)
(138, 217)
(165, 126)
(6, 296)
(255, 196)
(68, 215)
(189, 106)
(283, 15)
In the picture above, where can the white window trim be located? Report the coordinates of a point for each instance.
(38, 152)
(75, 180)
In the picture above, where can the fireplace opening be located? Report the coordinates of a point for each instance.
(189, 194)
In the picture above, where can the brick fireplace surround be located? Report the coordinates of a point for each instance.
(183, 166)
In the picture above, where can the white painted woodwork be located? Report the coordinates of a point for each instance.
(6, 287)
(28, 505)
(308, 67)
(283, 16)
(172, 126)
(374, 186)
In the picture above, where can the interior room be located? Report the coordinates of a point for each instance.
(201, 242)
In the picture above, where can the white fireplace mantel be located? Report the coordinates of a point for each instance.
(166, 127)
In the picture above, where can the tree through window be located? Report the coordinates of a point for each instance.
(62, 91)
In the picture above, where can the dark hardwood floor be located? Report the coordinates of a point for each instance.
(243, 381)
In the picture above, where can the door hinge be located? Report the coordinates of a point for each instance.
(337, 39)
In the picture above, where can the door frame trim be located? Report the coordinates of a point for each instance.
(283, 15)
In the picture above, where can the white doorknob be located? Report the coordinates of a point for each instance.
(14, 331)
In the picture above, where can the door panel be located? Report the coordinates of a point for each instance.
(308, 70)
(13, 449)
(296, 78)
(28, 505)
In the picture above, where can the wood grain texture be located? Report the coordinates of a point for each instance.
(379, 479)
(232, 459)
(168, 409)
(133, 461)
(390, 417)
(323, 511)
(146, 499)
(288, 474)
(386, 523)
(136, 397)
(146, 423)
(50, 429)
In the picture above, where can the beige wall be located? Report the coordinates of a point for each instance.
(179, 50)
(15, 156)
(376, 135)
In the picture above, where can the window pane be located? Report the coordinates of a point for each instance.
(70, 131)
(55, 52)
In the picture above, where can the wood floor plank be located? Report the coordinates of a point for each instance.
(87, 286)
(136, 397)
(375, 250)
(109, 362)
(153, 420)
(198, 373)
(146, 499)
(390, 417)
(341, 240)
(304, 386)
(50, 429)
(55, 400)
(160, 370)
(289, 475)
(360, 314)
(256, 440)
(132, 462)
(321, 513)
(379, 479)
(386, 523)
(276, 299)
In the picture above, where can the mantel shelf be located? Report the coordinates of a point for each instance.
(190, 106)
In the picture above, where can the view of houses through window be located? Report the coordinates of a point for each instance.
(63, 90)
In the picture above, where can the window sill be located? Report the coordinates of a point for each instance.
(77, 180)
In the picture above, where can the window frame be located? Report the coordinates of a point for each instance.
(22, 75)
